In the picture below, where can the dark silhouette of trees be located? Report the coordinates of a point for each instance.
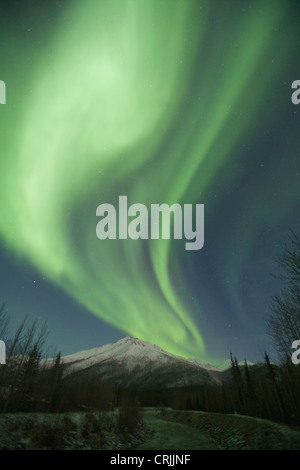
(284, 320)
(31, 382)
(55, 385)
(18, 377)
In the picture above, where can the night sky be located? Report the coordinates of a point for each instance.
(164, 101)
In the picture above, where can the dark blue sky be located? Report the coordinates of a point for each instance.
(248, 180)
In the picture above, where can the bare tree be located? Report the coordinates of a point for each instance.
(284, 320)
(18, 375)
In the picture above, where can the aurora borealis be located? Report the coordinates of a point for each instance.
(185, 101)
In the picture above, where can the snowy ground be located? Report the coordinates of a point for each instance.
(66, 431)
(238, 432)
(166, 429)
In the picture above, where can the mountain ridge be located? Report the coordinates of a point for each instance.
(131, 340)
(131, 362)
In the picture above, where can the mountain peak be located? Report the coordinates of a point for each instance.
(131, 361)
(131, 339)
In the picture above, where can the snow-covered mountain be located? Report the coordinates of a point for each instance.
(131, 362)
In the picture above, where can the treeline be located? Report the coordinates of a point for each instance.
(264, 390)
(25, 383)
(29, 381)
(271, 394)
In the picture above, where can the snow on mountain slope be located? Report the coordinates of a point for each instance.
(133, 362)
(131, 349)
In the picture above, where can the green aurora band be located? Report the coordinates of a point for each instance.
(130, 98)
